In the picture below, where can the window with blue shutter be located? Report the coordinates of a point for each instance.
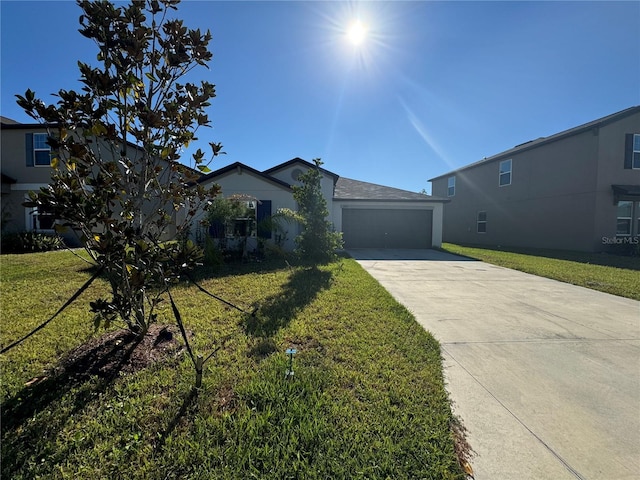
(41, 151)
(38, 152)
(632, 151)
(216, 229)
(263, 215)
(28, 146)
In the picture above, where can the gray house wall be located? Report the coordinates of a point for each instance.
(560, 194)
(611, 171)
(13, 153)
(25, 178)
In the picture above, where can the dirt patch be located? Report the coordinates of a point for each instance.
(226, 399)
(304, 343)
(121, 351)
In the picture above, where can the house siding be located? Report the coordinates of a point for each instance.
(14, 147)
(560, 194)
(611, 171)
(13, 152)
(326, 183)
(243, 182)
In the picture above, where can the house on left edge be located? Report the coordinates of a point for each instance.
(367, 214)
(26, 166)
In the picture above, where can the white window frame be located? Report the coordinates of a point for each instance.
(251, 222)
(506, 172)
(451, 185)
(32, 221)
(37, 147)
(629, 219)
(635, 155)
(481, 222)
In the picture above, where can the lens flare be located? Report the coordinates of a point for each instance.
(357, 33)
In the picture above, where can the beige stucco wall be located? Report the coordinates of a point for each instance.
(327, 185)
(243, 182)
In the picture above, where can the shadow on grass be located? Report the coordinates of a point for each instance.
(33, 417)
(188, 405)
(277, 311)
(603, 259)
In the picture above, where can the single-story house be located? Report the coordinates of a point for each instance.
(368, 215)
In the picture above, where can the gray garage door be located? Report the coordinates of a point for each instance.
(381, 228)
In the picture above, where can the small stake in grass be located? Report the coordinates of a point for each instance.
(291, 352)
(199, 362)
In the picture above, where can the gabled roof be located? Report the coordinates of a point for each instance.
(10, 124)
(523, 147)
(299, 160)
(7, 121)
(349, 189)
(240, 168)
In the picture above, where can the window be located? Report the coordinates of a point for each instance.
(240, 216)
(505, 173)
(451, 186)
(40, 220)
(244, 224)
(624, 216)
(632, 151)
(482, 222)
(41, 151)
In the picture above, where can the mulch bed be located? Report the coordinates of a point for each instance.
(121, 351)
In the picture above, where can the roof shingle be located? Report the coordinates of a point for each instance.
(349, 189)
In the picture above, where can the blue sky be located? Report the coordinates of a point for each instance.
(434, 86)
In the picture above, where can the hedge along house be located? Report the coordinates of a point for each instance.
(576, 190)
(368, 215)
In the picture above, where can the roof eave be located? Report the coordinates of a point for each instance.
(394, 200)
(234, 166)
(545, 140)
(304, 162)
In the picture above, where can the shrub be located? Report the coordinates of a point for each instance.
(30, 242)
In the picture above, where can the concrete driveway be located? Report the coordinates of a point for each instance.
(545, 375)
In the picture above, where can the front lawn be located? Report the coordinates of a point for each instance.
(367, 399)
(615, 274)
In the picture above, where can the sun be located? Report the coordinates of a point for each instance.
(356, 33)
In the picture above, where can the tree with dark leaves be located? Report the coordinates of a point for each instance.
(318, 242)
(117, 180)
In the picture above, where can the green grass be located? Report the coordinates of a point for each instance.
(367, 399)
(615, 274)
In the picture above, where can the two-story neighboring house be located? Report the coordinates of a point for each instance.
(26, 166)
(576, 190)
